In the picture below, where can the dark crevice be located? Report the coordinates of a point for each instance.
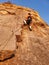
(13, 55)
(18, 38)
(16, 47)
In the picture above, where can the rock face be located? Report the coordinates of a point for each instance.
(29, 47)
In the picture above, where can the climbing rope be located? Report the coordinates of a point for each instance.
(6, 42)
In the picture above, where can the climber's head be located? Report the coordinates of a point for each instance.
(29, 13)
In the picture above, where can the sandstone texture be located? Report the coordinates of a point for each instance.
(19, 45)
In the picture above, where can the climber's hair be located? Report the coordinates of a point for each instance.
(29, 13)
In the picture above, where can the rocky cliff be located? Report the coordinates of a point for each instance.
(30, 47)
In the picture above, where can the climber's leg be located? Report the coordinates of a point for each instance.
(30, 28)
(25, 23)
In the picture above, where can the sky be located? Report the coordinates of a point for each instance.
(41, 6)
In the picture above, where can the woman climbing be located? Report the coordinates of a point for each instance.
(28, 21)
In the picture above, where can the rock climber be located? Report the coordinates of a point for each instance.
(28, 21)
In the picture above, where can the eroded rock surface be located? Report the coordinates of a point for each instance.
(29, 47)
